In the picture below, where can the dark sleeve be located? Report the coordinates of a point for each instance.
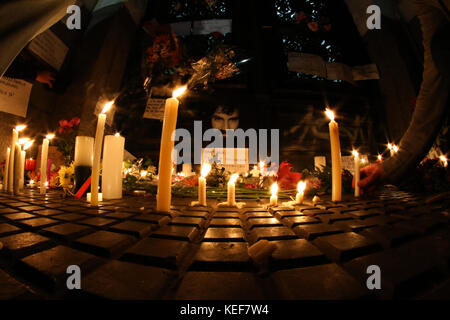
(21, 70)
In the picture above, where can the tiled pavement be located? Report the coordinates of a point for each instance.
(127, 251)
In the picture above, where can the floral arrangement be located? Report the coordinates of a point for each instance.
(66, 175)
(65, 138)
(321, 24)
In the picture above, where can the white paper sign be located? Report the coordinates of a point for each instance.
(155, 109)
(306, 63)
(366, 72)
(234, 160)
(320, 162)
(14, 96)
(49, 48)
(215, 25)
(348, 162)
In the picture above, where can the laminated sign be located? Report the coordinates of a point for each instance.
(14, 96)
(155, 109)
(235, 160)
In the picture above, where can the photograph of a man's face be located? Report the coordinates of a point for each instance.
(225, 117)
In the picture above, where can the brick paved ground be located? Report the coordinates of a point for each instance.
(127, 251)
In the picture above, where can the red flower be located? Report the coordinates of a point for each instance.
(327, 27)
(313, 26)
(300, 16)
(250, 186)
(216, 34)
(191, 181)
(66, 126)
(286, 178)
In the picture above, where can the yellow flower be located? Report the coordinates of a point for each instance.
(66, 176)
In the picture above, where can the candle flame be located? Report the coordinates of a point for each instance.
(178, 92)
(31, 182)
(206, 167)
(301, 186)
(355, 153)
(274, 189)
(23, 140)
(380, 157)
(395, 148)
(389, 146)
(444, 160)
(255, 167)
(117, 134)
(50, 136)
(143, 173)
(46, 183)
(363, 160)
(330, 114)
(261, 166)
(233, 178)
(28, 145)
(107, 106)
(20, 127)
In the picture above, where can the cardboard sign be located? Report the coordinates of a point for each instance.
(306, 63)
(155, 109)
(49, 48)
(234, 160)
(14, 96)
(215, 25)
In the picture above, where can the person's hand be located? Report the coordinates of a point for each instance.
(371, 176)
(45, 77)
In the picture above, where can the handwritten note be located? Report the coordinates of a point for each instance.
(14, 96)
(49, 48)
(155, 109)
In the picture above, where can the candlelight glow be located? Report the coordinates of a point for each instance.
(330, 114)
(261, 165)
(28, 145)
(50, 136)
(274, 189)
(206, 167)
(117, 134)
(143, 173)
(380, 157)
(20, 128)
(178, 92)
(46, 183)
(444, 160)
(255, 167)
(301, 186)
(107, 106)
(233, 178)
(363, 160)
(355, 153)
(389, 146)
(23, 140)
(395, 148)
(31, 182)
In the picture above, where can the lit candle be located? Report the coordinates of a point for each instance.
(206, 167)
(231, 200)
(44, 159)
(443, 160)
(357, 174)
(380, 158)
(23, 155)
(336, 166)
(97, 153)
(274, 196)
(17, 167)
(395, 148)
(14, 138)
(300, 192)
(6, 174)
(261, 167)
(163, 196)
(112, 166)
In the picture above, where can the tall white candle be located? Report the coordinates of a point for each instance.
(14, 138)
(274, 196)
(6, 173)
(44, 160)
(97, 153)
(17, 167)
(231, 190)
(164, 193)
(112, 166)
(300, 192)
(206, 167)
(23, 155)
(357, 174)
(336, 166)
